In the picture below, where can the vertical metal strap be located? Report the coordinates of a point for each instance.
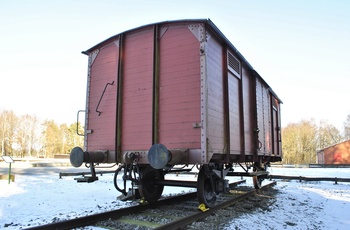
(156, 69)
(241, 112)
(226, 105)
(204, 94)
(92, 57)
(119, 101)
(256, 118)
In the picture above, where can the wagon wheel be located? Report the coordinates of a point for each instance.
(205, 192)
(257, 180)
(148, 189)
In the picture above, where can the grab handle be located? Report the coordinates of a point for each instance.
(80, 111)
(99, 112)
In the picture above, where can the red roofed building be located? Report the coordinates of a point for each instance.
(335, 154)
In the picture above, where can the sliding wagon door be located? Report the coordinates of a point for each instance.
(264, 127)
(276, 130)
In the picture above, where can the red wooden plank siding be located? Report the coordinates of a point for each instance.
(184, 74)
(215, 128)
(103, 71)
(248, 112)
(179, 94)
(234, 114)
(137, 90)
(268, 121)
(264, 117)
(275, 125)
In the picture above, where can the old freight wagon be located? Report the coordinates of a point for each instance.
(177, 93)
(335, 154)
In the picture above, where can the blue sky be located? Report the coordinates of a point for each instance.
(301, 48)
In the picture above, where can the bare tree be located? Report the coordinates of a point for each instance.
(51, 138)
(69, 138)
(299, 143)
(27, 135)
(74, 139)
(347, 128)
(64, 137)
(8, 122)
(327, 135)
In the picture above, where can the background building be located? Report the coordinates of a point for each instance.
(335, 154)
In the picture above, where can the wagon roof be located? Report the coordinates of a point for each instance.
(210, 25)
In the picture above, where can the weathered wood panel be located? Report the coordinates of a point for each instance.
(102, 71)
(191, 84)
(215, 103)
(263, 117)
(234, 114)
(179, 93)
(276, 126)
(248, 111)
(137, 90)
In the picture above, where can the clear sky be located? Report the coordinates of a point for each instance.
(301, 48)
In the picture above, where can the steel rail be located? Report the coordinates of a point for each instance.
(180, 223)
(115, 214)
(300, 178)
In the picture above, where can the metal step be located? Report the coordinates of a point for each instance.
(87, 179)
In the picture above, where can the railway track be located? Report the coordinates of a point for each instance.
(169, 213)
(303, 178)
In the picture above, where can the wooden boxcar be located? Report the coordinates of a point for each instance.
(177, 93)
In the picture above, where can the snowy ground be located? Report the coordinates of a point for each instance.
(305, 205)
(42, 197)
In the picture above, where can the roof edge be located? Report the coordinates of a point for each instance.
(210, 25)
(140, 27)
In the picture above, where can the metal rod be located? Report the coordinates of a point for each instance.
(10, 173)
(99, 112)
(177, 183)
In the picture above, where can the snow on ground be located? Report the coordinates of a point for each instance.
(42, 197)
(304, 205)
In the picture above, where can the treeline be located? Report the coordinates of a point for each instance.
(27, 136)
(302, 140)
